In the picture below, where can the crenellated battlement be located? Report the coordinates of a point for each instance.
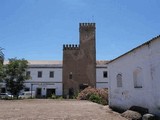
(87, 25)
(71, 47)
(79, 68)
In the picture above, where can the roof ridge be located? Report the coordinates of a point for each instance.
(147, 42)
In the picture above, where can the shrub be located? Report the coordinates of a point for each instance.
(59, 97)
(96, 95)
(53, 96)
(95, 98)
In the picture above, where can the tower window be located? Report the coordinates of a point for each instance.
(70, 75)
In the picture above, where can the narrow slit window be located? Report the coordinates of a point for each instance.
(70, 75)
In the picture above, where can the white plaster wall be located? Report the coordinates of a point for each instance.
(44, 87)
(47, 82)
(101, 82)
(148, 58)
(155, 75)
(45, 74)
(102, 85)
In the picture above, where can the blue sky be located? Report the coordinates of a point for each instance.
(37, 29)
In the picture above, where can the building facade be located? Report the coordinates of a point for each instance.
(102, 78)
(134, 78)
(77, 71)
(79, 61)
(46, 77)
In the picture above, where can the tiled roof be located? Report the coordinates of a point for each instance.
(54, 62)
(40, 62)
(101, 62)
(43, 62)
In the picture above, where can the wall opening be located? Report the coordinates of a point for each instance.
(137, 77)
(105, 74)
(119, 80)
(70, 75)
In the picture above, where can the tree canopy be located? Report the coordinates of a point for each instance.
(15, 75)
(1, 56)
(1, 63)
(1, 72)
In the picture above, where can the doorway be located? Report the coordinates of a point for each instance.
(3, 90)
(50, 92)
(39, 92)
(71, 92)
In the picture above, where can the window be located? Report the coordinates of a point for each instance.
(137, 77)
(26, 89)
(51, 74)
(28, 73)
(39, 74)
(70, 75)
(119, 80)
(105, 74)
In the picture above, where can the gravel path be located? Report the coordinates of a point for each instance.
(47, 109)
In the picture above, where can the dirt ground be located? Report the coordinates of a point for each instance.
(48, 109)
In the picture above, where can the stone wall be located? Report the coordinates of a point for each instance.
(79, 61)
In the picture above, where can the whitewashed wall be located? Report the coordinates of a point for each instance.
(44, 87)
(101, 82)
(45, 74)
(146, 57)
(45, 82)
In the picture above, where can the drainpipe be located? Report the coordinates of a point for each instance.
(31, 89)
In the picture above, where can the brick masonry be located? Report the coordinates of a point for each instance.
(79, 61)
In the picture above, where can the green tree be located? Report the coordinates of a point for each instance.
(1, 75)
(1, 66)
(1, 72)
(15, 75)
(1, 56)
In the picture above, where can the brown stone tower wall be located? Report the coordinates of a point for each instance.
(79, 61)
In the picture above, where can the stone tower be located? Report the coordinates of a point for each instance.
(79, 61)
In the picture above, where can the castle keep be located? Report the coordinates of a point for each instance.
(79, 61)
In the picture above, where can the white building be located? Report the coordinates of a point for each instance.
(102, 80)
(46, 77)
(134, 78)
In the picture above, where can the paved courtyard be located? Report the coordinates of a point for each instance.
(48, 109)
